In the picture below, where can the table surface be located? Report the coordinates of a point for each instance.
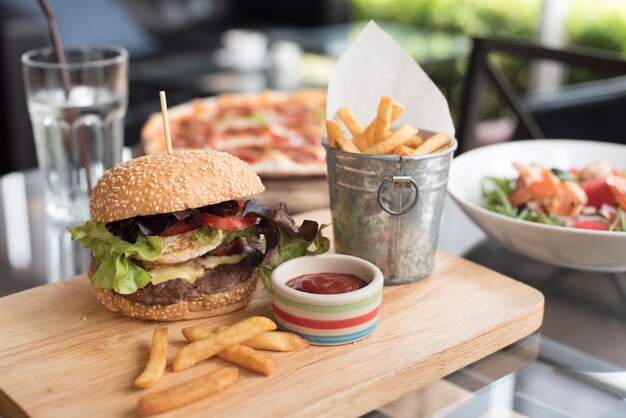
(574, 367)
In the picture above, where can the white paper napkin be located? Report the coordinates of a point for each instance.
(374, 66)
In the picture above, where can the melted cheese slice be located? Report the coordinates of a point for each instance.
(193, 269)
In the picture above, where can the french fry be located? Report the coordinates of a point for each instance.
(240, 355)
(249, 358)
(221, 340)
(415, 141)
(349, 119)
(433, 143)
(402, 150)
(333, 131)
(398, 137)
(383, 119)
(156, 362)
(345, 144)
(440, 149)
(278, 341)
(360, 141)
(367, 137)
(193, 334)
(271, 340)
(396, 111)
(192, 391)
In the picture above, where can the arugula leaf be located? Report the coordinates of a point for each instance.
(622, 218)
(322, 243)
(495, 192)
(284, 240)
(549, 220)
(115, 269)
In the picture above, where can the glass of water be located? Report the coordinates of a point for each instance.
(77, 111)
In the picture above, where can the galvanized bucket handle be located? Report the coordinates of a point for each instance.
(398, 181)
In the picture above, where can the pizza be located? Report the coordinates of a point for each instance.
(278, 133)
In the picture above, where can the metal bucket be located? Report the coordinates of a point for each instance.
(387, 209)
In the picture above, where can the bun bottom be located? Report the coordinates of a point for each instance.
(202, 307)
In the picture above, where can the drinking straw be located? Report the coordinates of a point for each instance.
(65, 76)
(56, 43)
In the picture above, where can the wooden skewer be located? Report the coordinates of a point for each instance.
(166, 122)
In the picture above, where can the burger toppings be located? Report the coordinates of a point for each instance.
(113, 254)
(148, 252)
(219, 279)
(191, 270)
(221, 216)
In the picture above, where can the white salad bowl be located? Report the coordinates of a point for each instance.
(568, 247)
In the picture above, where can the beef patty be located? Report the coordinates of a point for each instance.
(216, 280)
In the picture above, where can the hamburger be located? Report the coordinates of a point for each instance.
(176, 236)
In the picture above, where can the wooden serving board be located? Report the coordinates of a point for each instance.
(64, 355)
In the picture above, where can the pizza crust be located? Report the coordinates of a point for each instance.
(271, 162)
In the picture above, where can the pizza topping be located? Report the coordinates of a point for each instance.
(300, 155)
(248, 154)
(250, 128)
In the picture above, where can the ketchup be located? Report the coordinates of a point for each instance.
(326, 283)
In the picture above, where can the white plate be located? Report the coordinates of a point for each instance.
(574, 248)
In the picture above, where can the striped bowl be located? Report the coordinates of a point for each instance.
(327, 319)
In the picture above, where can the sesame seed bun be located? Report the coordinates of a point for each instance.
(165, 183)
(203, 307)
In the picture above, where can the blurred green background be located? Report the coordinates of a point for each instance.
(589, 23)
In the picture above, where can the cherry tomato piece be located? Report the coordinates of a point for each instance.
(596, 225)
(180, 227)
(598, 192)
(228, 223)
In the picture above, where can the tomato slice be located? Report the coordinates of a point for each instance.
(180, 227)
(598, 192)
(618, 188)
(228, 223)
(589, 224)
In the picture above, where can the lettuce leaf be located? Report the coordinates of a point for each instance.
(115, 269)
(207, 235)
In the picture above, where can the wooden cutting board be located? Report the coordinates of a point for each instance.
(63, 355)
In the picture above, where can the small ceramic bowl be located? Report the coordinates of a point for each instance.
(327, 319)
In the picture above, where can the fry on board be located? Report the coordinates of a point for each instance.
(156, 362)
(221, 340)
(278, 341)
(192, 391)
(240, 355)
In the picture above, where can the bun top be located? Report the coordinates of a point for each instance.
(164, 183)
